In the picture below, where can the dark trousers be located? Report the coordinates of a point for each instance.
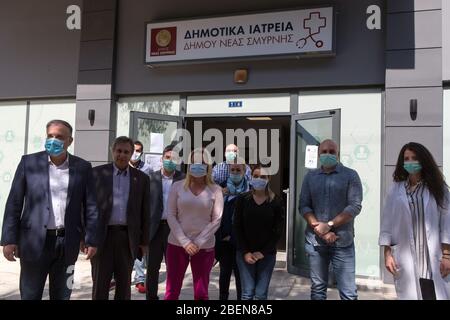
(227, 259)
(156, 250)
(51, 263)
(115, 258)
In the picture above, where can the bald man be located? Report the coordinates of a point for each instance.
(330, 200)
(221, 171)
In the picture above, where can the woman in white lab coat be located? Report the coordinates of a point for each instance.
(415, 227)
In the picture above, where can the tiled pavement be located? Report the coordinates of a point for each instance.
(283, 286)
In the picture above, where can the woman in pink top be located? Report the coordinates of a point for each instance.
(195, 208)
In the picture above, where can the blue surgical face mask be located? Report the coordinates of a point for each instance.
(258, 183)
(54, 147)
(412, 166)
(198, 170)
(230, 156)
(236, 177)
(328, 160)
(169, 165)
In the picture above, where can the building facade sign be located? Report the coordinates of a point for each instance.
(298, 32)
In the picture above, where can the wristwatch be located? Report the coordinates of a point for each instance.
(330, 224)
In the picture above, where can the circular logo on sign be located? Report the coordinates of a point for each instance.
(163, 38)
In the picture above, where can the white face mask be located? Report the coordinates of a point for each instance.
(136, 156)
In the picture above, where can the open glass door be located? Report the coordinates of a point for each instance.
(155, 131)
(306, 129)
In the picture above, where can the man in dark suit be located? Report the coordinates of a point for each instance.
(160, 183)
(123, 205)
(52, 198)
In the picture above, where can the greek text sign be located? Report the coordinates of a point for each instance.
(297, 32)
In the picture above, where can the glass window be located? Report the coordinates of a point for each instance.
(155, 135)
(360, 150)
(160, 105)
(12, 145)
(13, 120)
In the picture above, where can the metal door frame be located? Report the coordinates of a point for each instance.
(335, 114)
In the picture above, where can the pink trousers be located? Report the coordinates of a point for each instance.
(177, 261)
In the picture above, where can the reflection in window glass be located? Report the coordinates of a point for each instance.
(158, 105)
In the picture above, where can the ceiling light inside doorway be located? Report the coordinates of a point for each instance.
(259, 118)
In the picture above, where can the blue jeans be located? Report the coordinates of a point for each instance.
(343, 262)
(255, 278)
(139, 267)
(51, 263)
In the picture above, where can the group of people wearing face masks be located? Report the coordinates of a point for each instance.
(226, 213)
(415, 224)
(251, 225)
(123, 214)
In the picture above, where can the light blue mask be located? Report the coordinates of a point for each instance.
(169, 165)
(54, 147)
(230, 156)
(198, 170)
(328, 160)
(412, 166)
(258, 183)
(236, 178)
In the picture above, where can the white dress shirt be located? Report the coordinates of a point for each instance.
(59, 185)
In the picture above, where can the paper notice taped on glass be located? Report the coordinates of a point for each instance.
(311, 156)
(154, 160)
(156, 142)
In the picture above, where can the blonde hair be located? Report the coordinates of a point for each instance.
(208, 178)
(263, 171)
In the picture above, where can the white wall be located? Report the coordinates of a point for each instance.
(251, 103)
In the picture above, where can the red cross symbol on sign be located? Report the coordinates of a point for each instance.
(314, 23)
